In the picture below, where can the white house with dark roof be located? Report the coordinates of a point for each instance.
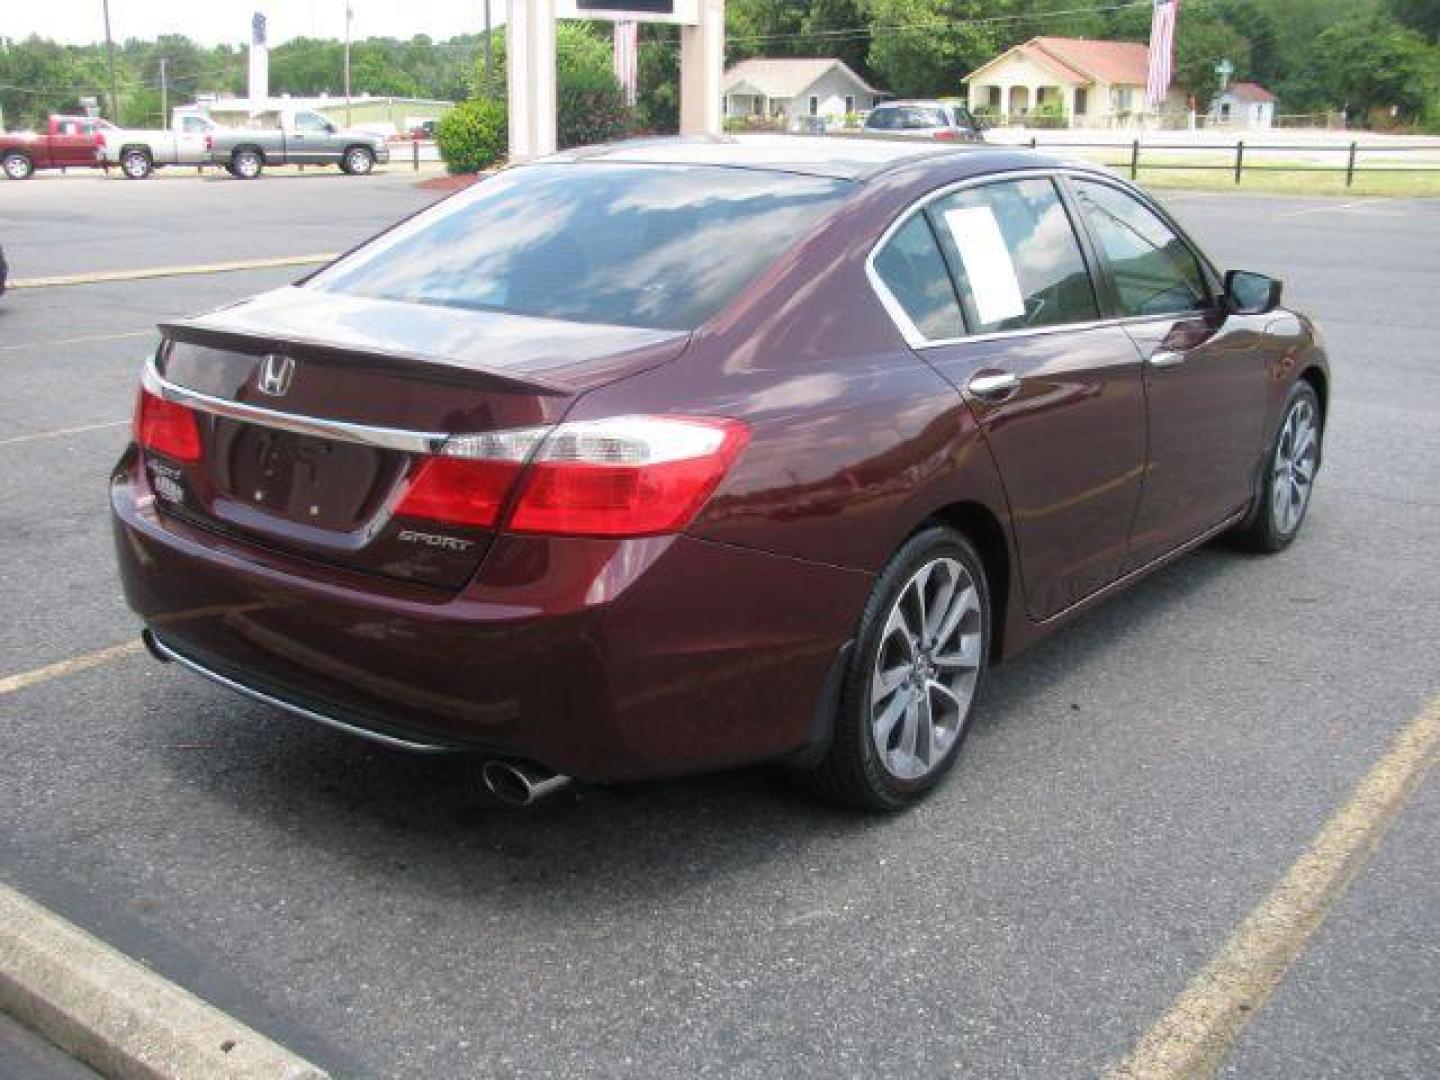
(793, 88)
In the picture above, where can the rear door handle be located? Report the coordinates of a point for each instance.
(994, 386)
(1163, 358)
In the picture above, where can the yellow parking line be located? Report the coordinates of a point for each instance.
(169, 271)
(56, 433)
(1193, 1037)
(85, 340)
(11, 683)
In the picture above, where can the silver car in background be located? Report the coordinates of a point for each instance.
(946, 121)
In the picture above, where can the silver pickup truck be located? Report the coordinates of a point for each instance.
(140, 152)
(302, 137)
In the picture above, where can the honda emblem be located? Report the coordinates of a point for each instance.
(276, 371)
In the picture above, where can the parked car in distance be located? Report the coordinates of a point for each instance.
(302, 137)
(68, 142)
(139, 152)
(946, 121)
(669, 456)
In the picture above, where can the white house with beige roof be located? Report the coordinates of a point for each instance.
(1093, 83)
(792, 88)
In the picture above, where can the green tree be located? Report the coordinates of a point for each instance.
(1420, 15)
(919, 49)
(1369, 62)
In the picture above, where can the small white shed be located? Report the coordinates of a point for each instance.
(1244, 105)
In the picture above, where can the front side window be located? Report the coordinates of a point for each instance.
(884, 119)
(1017, 261)
(913, 270)
(629, 245)
(1154, 271)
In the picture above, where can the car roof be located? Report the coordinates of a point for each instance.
(837, 157)
(927, 103)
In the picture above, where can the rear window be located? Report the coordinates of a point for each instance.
(629, 245)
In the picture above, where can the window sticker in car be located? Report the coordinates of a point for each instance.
(988, 266)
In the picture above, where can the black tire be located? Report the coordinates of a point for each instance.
(853, 770)
(17, 166)
(136, 164)
(357, 161)
(1274, 523)
(246, 163)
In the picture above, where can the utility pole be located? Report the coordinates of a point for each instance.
(348, 15)
(164, 96)
(110, 53)
(489, 77)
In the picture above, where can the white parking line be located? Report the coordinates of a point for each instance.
(85, 340)
(170, 271)
(56, 433)
(24, 679)
(1193, 1038)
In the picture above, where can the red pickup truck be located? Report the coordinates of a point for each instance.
(69, 142)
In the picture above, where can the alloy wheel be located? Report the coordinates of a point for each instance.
(926, 669)
(247, 164)
(136, 166)
(1293, 471)
(358, 162)
(17, 166)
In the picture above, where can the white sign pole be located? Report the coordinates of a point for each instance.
(530, 77)
(702, 68)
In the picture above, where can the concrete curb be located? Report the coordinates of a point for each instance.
(100, 277)
(117, 1016)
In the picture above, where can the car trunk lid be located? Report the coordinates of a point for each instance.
(315, 412)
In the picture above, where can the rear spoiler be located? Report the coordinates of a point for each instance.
(196, 332)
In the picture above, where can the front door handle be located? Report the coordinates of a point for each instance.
(995, 385)
(1163, 358)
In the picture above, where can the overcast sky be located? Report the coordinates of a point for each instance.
(211, 21)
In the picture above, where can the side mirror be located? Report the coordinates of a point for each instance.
(1247, 293)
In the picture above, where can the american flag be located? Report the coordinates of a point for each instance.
(627, 58)
(1162, 51)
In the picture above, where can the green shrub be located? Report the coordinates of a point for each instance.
(472, 136)
(591, 106)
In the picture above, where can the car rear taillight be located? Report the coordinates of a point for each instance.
(626, 476)
(947, 135)
(166, 428)
(467, 483)
(629, 476)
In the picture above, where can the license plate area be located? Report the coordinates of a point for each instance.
(322, 483)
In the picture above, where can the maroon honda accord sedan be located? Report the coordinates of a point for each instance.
(675, 455)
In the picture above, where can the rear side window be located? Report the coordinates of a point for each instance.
(1154, 271)
(630, 245)
(914, 272)
(1017, 261)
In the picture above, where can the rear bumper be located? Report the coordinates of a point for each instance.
(382, 154)
(605, 660)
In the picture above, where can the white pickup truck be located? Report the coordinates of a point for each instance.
(141, 152)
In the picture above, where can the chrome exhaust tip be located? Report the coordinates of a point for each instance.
(517, 783)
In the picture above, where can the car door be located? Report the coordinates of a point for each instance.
(1205, 369)
(307, 141)
(73, 144)
(1056, 392)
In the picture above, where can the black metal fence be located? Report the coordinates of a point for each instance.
(1241, 157)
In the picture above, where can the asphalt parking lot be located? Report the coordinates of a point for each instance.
(1133, 788)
